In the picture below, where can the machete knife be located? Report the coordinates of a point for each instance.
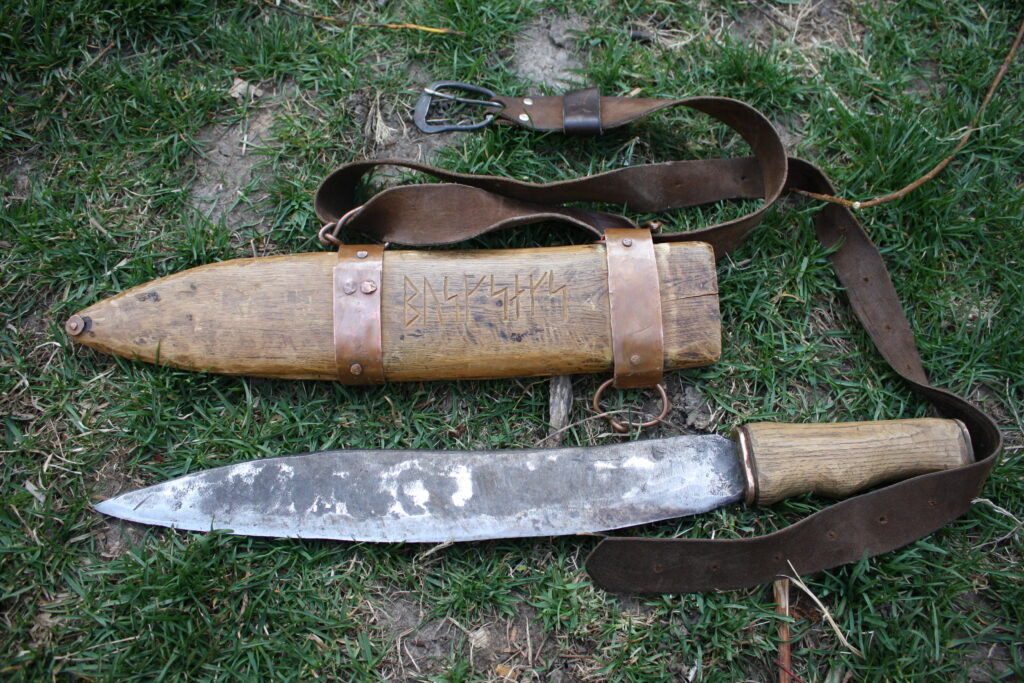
(439, 496)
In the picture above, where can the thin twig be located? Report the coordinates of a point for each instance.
(1001, 510)
(1006, 537)
(440, 546)
(459, 626)
(902, 192)
(785, 661)
(1019, 524)
(599, 416)
(769, 16)
(789, 672)
(824, 610)
(366, 24)
(539, 652)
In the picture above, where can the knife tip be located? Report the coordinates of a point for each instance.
(105, 507)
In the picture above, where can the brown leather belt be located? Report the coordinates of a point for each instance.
(470, 205)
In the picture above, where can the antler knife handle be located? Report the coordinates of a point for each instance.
(839, 459)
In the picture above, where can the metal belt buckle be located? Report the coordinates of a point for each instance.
(451, 116)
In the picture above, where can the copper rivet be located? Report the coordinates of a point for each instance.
(355, 369)
(360, 254)
(634, 359)
(524, 117)
(369, 287)
(75, 325)
(349, 287)
(527, 101)
(627, 242)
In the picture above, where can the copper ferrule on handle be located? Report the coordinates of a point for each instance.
(742, 439)
(358, 280)
(968, 442)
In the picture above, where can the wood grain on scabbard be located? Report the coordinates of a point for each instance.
(525, 312)
(840, 459)
(466, 314)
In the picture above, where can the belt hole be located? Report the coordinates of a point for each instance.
(883, 520)
(659, 568)
(715, 567)
(778, 557)
(932, 503)
(831, 535)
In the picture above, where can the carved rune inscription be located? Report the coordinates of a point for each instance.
(483, 298)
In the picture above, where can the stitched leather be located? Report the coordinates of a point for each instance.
(867, 524)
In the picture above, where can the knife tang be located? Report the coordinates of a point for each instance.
(839, 459)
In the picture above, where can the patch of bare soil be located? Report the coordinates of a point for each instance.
(226, 188)
(992, 403)
(504, 649)
(806, 23)
(389, 131)
(790, 129)
(20, 173)
(391, 134)
(990, 661)
(114, 536)
(421, 646)
(545, 52)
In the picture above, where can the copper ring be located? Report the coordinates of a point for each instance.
(328, 234)
(623, 427)
(328, 239)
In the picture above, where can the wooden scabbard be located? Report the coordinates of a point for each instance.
(467, 314)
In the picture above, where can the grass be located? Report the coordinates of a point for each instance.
(105, 105)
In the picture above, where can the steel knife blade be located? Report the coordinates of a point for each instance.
(439, 496)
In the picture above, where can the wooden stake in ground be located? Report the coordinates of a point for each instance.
(559, 406)
(781, 587)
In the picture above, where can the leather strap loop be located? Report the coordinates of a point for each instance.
(471, 205)
(581, 112)
(848, 530)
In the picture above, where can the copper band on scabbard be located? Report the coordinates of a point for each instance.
(357, 317)
(634, 299)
